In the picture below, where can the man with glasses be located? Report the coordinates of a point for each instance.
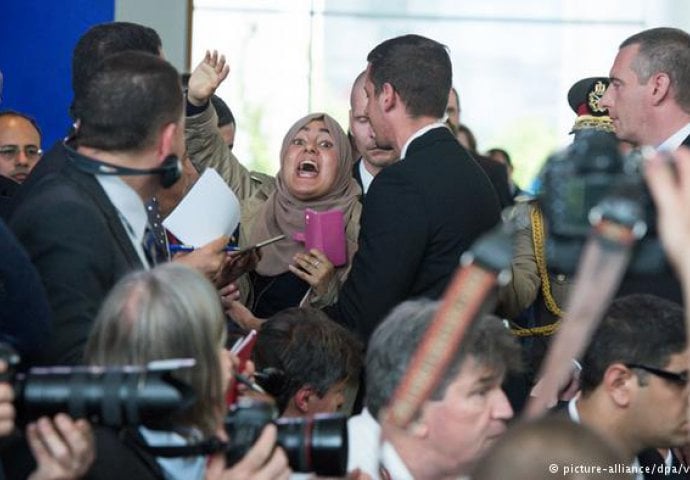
(20, 145)
(634, 383)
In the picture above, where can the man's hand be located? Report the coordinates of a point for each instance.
(6, 406)
(209, 259)
(262, 461)
(236, 265)
(206, 78)
(63, 449)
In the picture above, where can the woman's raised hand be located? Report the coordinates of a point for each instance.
(206, 78)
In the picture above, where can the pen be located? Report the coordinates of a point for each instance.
(252, 386)
(189, 248)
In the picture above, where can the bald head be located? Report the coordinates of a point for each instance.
(375, 158)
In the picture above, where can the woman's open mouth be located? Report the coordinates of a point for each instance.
(307, 169)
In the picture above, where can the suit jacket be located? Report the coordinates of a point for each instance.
(419, 216)
(498, 175)
(22, 298)
(51, 162)
(8, 187)
(76, 240)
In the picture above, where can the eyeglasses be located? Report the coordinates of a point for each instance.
(11, 152)
(680, 378)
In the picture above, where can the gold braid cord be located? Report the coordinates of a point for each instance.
(540, 257)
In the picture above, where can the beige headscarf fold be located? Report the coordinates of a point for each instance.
(284, 214)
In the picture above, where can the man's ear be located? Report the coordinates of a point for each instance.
(388, 97)
(166, 142)
(661, 87)
(620, 383)
(302, 398)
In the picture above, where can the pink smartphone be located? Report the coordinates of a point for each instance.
(325, 231)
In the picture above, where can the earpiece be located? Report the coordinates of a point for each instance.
(170, 170)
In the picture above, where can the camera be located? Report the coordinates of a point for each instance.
(313, 444)
(111, 396)
(591, 180)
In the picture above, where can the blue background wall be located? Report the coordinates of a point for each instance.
(36, 42)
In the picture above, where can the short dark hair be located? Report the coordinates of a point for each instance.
(418, 68)
(664, 50)
(129, 98)
(106, 39)
(310, 348)
(225, 116)
(641, 329)
(28, 118)
(503, 153)
(394, 342)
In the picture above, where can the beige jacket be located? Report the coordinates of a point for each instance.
(207, 150)
(523, 290)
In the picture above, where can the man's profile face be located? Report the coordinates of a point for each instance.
(626, 99)
(661, 406)
(374, 112)
(363, 134)
(471, 416)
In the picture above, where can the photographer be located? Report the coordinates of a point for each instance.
(63, 449)
(172, 312)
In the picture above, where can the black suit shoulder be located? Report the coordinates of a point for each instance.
(78, 244)
(419, 216)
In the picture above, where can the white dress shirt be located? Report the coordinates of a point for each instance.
(674, 141)
(364, 443)
(130, 208)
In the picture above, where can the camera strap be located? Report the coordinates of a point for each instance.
(602, 265)
(484, 266)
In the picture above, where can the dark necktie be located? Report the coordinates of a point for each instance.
(155, 242)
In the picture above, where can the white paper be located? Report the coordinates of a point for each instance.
(210, 209)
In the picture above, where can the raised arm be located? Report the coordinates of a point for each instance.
(204, 142)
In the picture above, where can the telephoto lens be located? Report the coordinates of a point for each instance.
(315, 444)
(111, 396)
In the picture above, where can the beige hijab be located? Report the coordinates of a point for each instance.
(284, 214)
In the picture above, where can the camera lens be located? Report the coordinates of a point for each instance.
(112, 397)
(315, 444)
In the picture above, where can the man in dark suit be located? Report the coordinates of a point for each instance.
(83, 224)
(649, 95)
(96, 44)
(373, 158)
(634, 382)
(422, 212)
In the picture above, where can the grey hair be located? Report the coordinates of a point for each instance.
(394, 342)
(171, 311)
(664, 50)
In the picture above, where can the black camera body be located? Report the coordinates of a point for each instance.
(315, 444)
(111, 396)
(588, 180)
